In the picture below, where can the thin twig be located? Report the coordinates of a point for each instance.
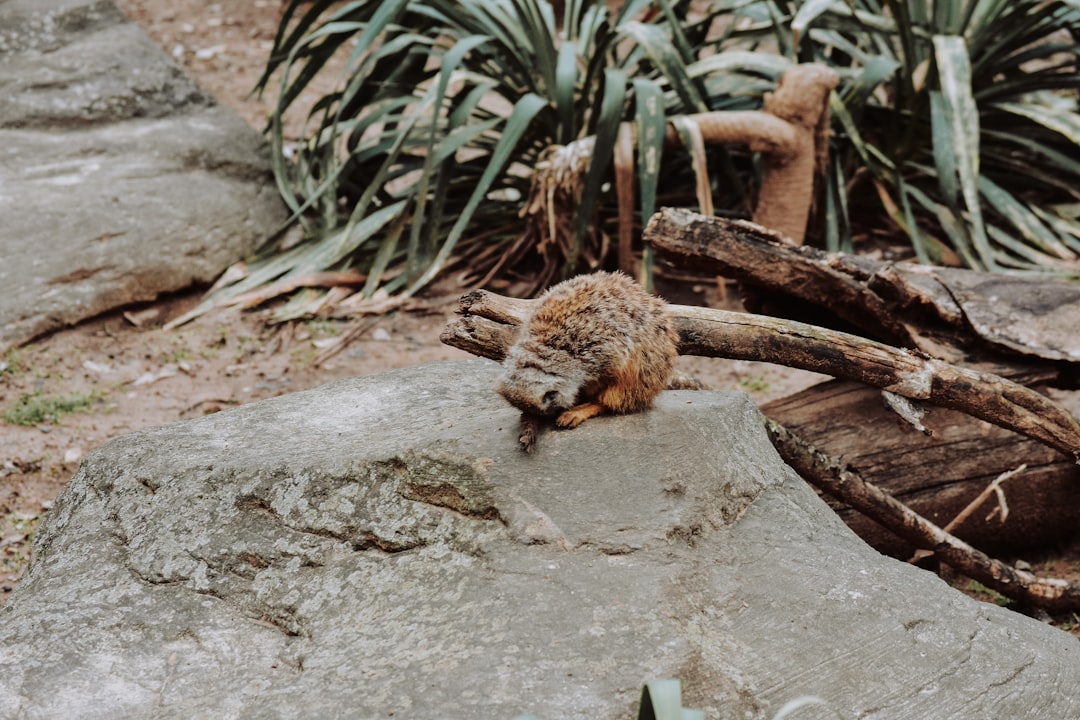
(343, 342)
(993, 487)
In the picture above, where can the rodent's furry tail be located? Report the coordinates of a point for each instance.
(678, 381)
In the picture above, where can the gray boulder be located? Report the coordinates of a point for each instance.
(380, 547)
(119, 178)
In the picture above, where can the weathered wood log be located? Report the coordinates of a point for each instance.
(938, 475)
(829, 475)
(948, 312)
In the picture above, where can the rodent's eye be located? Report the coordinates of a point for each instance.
(550, 397)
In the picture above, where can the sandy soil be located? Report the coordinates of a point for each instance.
(138, 375)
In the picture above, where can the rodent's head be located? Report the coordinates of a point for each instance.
(541, 380)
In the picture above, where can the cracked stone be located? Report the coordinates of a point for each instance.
(382, 544)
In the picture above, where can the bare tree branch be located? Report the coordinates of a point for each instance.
(488, 324)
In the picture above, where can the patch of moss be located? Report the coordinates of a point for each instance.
(35, 408)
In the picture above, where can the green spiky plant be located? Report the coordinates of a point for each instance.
(425, 154)
(956, 121)
(955, 124)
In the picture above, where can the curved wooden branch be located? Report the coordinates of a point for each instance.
(488, 323)
(753, 254)
(845, 484)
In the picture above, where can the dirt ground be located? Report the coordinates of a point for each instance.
(132, 374)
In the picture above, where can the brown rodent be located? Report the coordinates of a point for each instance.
(595, 343)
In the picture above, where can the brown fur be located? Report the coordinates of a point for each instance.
(594, 344)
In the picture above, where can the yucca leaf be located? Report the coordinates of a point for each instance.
(607, 130)
(1022, 219)
(388, 248)
(418, 252)
(772, 66)
(806, 14)
(1067, 228)
(944, 156)
(656, 45)
(565, 90)
(962, 115)
(651, 126)
(690, 135)
(1015, 253)
(516, 125)
(1064, 122)
(911, 226)
(839, 208)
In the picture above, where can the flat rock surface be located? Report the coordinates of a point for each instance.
(119, 178)
(380, 547)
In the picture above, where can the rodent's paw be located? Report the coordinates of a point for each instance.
(530, 430)
(576, 415)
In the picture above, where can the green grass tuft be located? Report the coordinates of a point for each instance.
(35, 408)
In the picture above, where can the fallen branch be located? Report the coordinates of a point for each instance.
(756, 255)
(488, 323)
(831, 477)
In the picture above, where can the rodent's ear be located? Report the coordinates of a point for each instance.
(550, 397)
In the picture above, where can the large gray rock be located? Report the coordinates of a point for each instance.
(119, 178)
(381, 546)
